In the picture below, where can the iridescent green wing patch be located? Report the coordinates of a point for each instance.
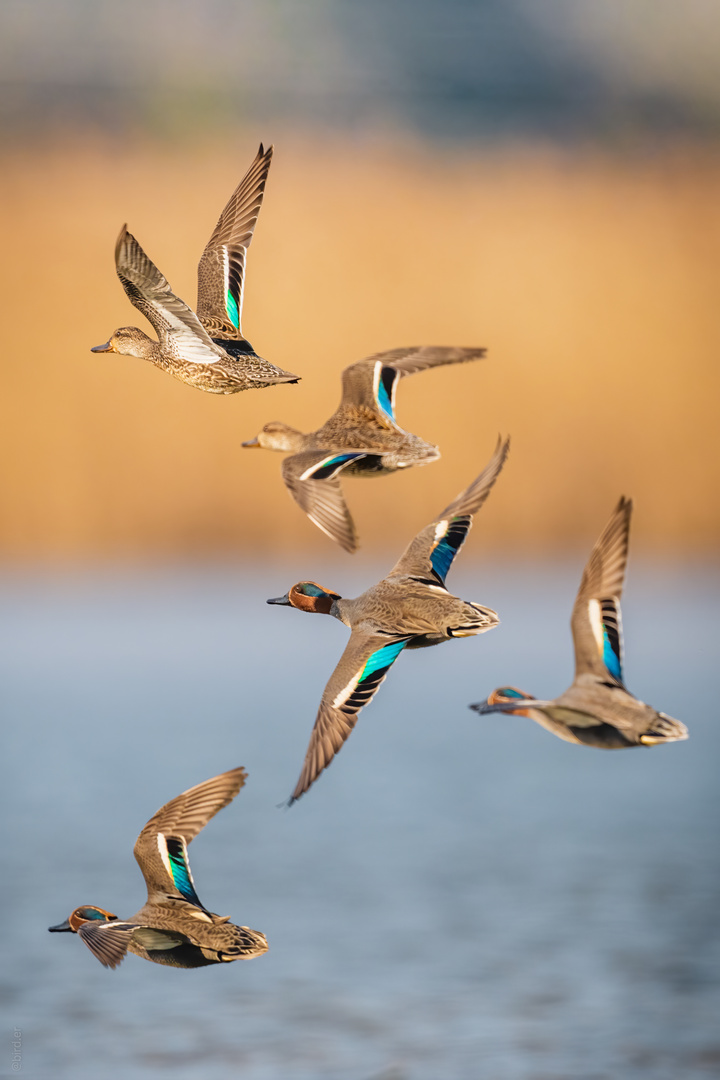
(448, 544)
(231, 306)
(180, 869)
(330, 465)
(371, 675)
(611, 636)
(384, 392)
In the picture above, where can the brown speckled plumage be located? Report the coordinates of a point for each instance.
(363, 427)
(207, 350)
(410, 608)
(172, 927)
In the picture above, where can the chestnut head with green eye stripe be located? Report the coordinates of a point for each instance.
(80, 916)
(308, 596)
(507, 699)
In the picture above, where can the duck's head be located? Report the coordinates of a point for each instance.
(278, 436)
(128, 341)
(505, 699)
(308, 596)
(79, 916)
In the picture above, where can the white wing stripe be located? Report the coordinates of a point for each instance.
(318, 465)
(594, 615)
(226, 274)
(346, 692)
(162, 848)
(376, 380)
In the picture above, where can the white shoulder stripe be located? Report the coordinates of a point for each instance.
(226, 272)
(376, 379)
(162, 848)
(346, 692)
(318, 465)
(594, 614)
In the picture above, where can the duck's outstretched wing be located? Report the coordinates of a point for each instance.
(313, 479)
(161, 848)
(353, 684)
(430, 555)
(221, 270)
(371, 383)
(596, 619)
(175, 324)
(107, 941)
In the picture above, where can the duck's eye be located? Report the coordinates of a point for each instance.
(307, 589)
(91, 913)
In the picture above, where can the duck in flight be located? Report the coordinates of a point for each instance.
(173, 927)
(206, 349)
(409, 609)
(361, 438)
(598, 709)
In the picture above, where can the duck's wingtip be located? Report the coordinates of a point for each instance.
(240, 773)
(121, 240)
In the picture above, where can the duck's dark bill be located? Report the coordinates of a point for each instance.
(107, 347)
(280, 600)
(250, 442)
(61, 928)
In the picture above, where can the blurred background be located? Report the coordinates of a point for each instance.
(538, 179)
(459, 897)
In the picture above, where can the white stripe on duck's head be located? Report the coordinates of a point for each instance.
(506, 699)
(308, 596)
(278, 436)
(82, 915)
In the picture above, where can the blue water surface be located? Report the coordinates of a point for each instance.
(459, 897)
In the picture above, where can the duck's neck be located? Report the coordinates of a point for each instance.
(340, 609)
(142, 346)
(290, 440)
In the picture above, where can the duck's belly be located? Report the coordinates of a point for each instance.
(182, 956)
(212, 378)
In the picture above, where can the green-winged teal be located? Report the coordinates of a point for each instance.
(207, 349)
(173, 927)
(598, 709)
(410, 608)
(362, 438)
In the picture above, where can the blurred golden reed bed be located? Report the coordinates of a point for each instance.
(593, 282)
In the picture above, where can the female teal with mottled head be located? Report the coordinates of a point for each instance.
(362, 438)
(205, 348)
